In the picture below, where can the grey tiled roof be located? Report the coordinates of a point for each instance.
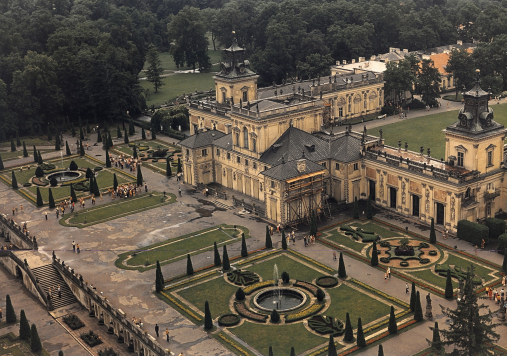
(289, 170)
(201, 139)
(346, 148)
(224, 142)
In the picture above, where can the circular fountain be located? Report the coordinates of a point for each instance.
(64, 176)
(281, 299)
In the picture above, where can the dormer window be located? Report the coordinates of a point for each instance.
(461, 158)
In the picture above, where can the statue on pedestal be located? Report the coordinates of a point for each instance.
(429, 313)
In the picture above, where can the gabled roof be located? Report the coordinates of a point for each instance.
(346, 148)
(201, 139)
(289, 170)
(224, 142)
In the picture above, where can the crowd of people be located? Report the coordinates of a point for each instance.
(125, 162)
(54, 291)
(125, 191)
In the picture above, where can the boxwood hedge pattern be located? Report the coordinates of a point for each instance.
(327, 281)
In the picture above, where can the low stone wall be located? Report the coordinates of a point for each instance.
(12, 232)
(99, 306)
(20, 269)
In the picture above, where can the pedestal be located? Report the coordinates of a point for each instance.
(501, 314)
(429, 314)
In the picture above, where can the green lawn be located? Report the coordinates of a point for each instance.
(295, 269)
(29, 142)
(479, 270)
(336, 236)
(119, 208)
(8, 155)
(359, 305)
(280, 337)
(434, 279)
(22, 176)
(181, 246)
(9, 346)
(217, 292)
(168, 61)
(154, 145)
(378, 229)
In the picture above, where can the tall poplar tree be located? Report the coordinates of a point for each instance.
(155, 70)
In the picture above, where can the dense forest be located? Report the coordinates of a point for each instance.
(67, 60)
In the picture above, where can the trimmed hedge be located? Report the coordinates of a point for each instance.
(229, 320)
(472, 232)
(502, 243)
(496, 227)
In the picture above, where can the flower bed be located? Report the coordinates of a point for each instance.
(249, 314)
(326, 325)
(327, 281)
(107, 352)
(91, 338)
(39, 182)
(250, 289)
(315, 308)
(243, 278)
(308, 286)
(229, 320)
(73, 321)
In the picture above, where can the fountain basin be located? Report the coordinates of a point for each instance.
(281, 299)
(64, 176)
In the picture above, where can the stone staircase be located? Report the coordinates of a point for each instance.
(222, 204)
(48, 276)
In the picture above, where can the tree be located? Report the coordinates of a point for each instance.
(67, 149)
(18, 141)
(226, 263)
(449, 290)
(275, 316)
(109, 140)
(132, 128)
(81, 148)
(153, 134)
(504, 264)
(428, 82)
(190, 268)
(159, 278)
(356, 209)
(108, 160)
(217, 259)
(393, 327)
(270, 351)
(35, 344)
(155, 70)
(269, 243)
(14, 181)
(331, 349)
(436, 342)
(433, 235)
(25, 152)
(292, 351)
(462, 68)
(39, 198)
(399, 78)
(73, 131)
(35, 155)
(244, 251)
(143, 133)
(81, 133)
(39, 158)
(369, 209)
(361, 342)
(349, 332)
(99, 136)
(418, 313)
(135, 152)
(96, 190)
(315, 65)
(10, 315)
(24, 326)
(240, 294)
(57, 142)
(472, 332)
(380, 350)
(13, 146)
(60, 353)
(374, 255)
(179, 169)
(50, 137)
(208, 320)
(52, 204)
(118, 132)
(168, 168)
(284, 240)
(73, 197)
(1, 164)
(139, 177)
(413, 297)
(188, 36)
(126, 137)
(115, 182)
(342, 273)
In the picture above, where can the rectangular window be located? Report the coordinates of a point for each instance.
(254, 145)
(254, 165)
(340, 112)
(238, 159)
(490, 158)
(356, 166)
(324, 164)
(205, 152)
(188, 152)
(461, 157)
(218, 152)
(337, 166)
(265, 168)
(246, 162)
(273, 184)
(245, 96)
(228, 155)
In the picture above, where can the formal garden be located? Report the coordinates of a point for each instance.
(63, 177)
(284, 293)
(409, 256)
(175, 249)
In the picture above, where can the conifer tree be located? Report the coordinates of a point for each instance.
(60, 353)
(349, 332)
(88, 130)
(118, 132)
(472, 331)
(159, 278)
(25, 152)
(81, 148)
(143, 133)
(270, 351)
(356, 209)
(217, 261)
(504, 264)
(179, 169)
(436, 342)
(168, 169)
(110, 140)
(433, 235)
(413, 297)
(135, 152)
(35, 155)
(35, 344)
(244, 251)
(361, 341)
(67, 149)
(18, 142)
(51, 199)
(2, 135)
(380, 350)
(374, 254)
(14, 181)
(269, 243)
(449, 290)
(275, 316)
(73, 131)
(139, 176)
(50, 136)
(96, 190)
(284, 240)
(108, 160)
(132, 128)
(81, 133)
(393, 327)
(39, 158)
(208, 320)
(190, 268)
(369, 209)
(24, 326)
(99, 136)
(73, 194)
(1, 164)
(10, 315)
(226, 263)
(292, 351)
(153, 134)
(39, 198)
(126, 138)
(57, 142)
(115, 182)
(13, 146)
(342, 273)
(331, 349)
(418, 313)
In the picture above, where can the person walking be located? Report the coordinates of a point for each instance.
(406, 288)
(77, 248)
(334, 255)
(46, 214)
(146, 187)
(57, 213)
(179, 191)
(389, 272)
(167, 334)
(73, 246)
(156, 329)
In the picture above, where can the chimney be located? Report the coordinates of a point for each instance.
(344, 62)
(373, 58)
(460, 42)
(353, 61)
(361, 59)
(301, 165)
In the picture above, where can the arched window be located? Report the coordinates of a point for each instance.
(467, 193)
(245, 137)
(237, 138)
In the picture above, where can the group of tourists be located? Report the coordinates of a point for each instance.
(125, 162)
(75, 247)
(54, 290)
(125, 191)
(138, 322)
(4, 248)
(15, 209)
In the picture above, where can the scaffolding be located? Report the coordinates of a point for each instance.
(303, 195)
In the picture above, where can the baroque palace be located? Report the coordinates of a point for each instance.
(276, 146)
